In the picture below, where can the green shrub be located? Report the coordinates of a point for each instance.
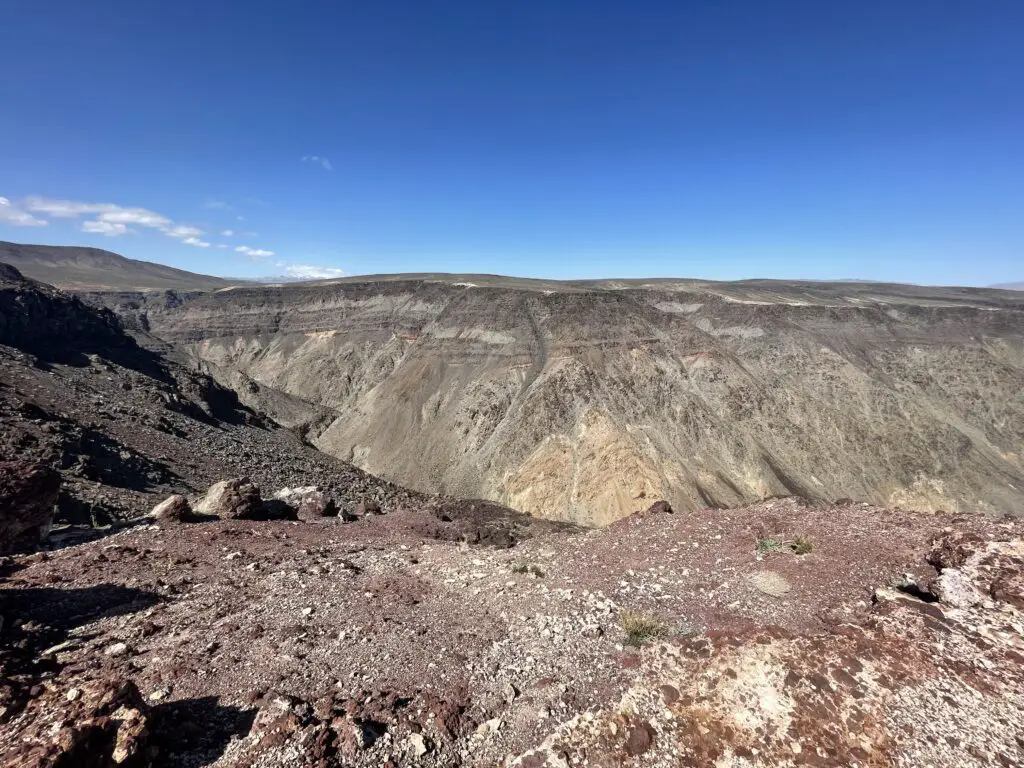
(764, 546)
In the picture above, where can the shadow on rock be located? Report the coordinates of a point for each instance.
(195, 732)
(36, 623)
(61, 610)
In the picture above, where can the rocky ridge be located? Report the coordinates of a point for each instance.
(126, 426)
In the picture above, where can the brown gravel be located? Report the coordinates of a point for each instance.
(375, 622)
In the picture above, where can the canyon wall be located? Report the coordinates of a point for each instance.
(580, 401)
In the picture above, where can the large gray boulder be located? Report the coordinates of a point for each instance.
(237, 499)
(173, 509)
(307, 503)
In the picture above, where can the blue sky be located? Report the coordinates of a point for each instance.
(577, 138)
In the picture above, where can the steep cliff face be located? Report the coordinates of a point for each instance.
(578, 401)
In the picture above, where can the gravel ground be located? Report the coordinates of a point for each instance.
(501, 645)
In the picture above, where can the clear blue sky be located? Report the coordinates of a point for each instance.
(569, 138)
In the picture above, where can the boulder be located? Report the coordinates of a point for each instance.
(659, 508)
(307, 503)
(232, 499)
(101, 724)
(953, 588)
(173, 509)
(28, 494)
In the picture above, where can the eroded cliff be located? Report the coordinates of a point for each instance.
(576, 401)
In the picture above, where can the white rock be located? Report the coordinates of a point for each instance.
(954, 589)
(117, 649)
(418, 744)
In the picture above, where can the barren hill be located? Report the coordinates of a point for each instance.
(93, 269)
(576, 401)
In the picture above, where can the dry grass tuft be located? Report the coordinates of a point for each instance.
(641, 628)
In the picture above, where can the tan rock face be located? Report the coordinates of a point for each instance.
(573, 400)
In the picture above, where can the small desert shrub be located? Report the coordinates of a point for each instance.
(764, 546)
(641, 628)
(530, 568)
(802, 545)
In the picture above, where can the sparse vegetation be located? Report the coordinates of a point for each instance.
(798, 545)
(528, 568)
(641, 628)
(802, 545)
(765, 546)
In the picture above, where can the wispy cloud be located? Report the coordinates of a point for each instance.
(216, 205)
(11, 214)
(108, 228)
(254, 253)
(318, 160)
(67, 209)
(310, 272)
(181, 231)
(110, 219)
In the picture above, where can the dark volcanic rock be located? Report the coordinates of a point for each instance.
(28, 494)
(102, 724)
(659, 508)
(39, 319)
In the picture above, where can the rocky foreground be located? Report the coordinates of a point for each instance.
(780, 634)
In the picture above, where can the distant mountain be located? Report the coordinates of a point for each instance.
(92, 269)
(1009, 286)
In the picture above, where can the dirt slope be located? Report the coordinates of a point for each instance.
(126, 426)
(575, 401)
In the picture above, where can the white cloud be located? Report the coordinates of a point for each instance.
(67, 209)
(321, 161)
(181, 231)
(221, 245)
(139, 216)
(216, 205)
(9, 214)
(254, 253)
(227, 233)
(110, 229)
(196, 242)
(310, 272)
(241, 218)
(110, 219)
